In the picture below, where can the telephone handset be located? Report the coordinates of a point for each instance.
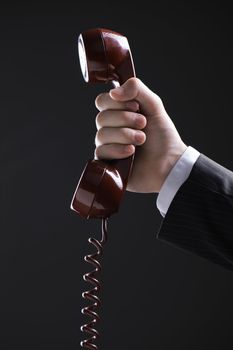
(104, 56)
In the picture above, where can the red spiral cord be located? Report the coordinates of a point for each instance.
(92, 294)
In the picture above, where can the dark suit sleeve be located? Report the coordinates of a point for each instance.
(200, 217)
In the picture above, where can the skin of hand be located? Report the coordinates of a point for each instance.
(133, 115)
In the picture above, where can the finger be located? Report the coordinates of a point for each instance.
(114, 151)
(135, 89)
(120, 136)
(113, 118)
(104, 101)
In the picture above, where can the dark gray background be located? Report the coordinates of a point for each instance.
(154, 295)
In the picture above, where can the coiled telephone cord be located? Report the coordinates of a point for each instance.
(92, 294)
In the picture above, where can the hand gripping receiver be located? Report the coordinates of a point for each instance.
(104, 57)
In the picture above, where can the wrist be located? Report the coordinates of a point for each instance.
(169, 161)
(176, 177)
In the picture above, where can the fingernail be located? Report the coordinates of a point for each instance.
(128, 149)
(139, 121)
(139, 136)
(117, 91)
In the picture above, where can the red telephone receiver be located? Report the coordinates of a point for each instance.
(104, 56)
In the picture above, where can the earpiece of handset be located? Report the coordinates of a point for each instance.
(104, 56)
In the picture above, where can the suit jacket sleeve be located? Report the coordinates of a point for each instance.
(200, 217)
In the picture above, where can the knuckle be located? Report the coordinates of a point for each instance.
(100, 135)
(157, 99)
(99, 101)
(96, 140)
(134, 83)
(132, 87)
(99, 120)
(98, 152)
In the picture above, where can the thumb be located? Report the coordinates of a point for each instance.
(135, 89)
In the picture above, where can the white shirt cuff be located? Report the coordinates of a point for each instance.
(177, 176)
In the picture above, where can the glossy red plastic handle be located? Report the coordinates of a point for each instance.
(104, 56)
